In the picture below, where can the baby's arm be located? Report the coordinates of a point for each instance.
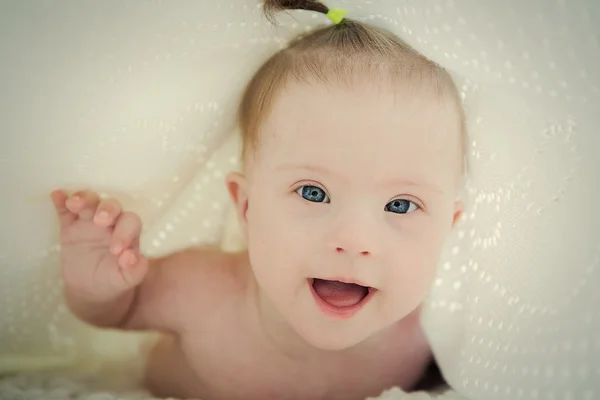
(109, 283)
(177, 287)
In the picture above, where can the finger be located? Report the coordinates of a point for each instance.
(59, 198)
(132, 268)
(84, 204)
(107, 213)
(126, 232)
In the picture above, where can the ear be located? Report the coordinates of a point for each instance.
(237, 187)
(458, 211)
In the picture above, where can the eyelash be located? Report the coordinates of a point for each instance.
(412, 199)
(298, 185)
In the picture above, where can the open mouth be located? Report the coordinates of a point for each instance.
(340, 299)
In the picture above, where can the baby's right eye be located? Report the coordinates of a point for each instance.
(313, 193)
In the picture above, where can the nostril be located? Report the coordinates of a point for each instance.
(362, 253)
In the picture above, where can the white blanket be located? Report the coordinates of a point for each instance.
(135, 98)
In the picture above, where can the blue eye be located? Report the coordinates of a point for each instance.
(313, 193)
(401, 206)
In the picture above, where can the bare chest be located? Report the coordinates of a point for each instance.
(233, 365)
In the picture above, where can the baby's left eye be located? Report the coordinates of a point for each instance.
(313, 194)
(401, 206)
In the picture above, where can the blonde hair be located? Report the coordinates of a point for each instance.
(343, 52)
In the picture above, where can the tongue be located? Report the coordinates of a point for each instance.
(339, 294)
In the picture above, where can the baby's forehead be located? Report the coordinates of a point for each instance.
(398, 100)
(362, 117)
(361, 131)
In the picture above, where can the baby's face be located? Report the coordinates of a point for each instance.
(356, 185)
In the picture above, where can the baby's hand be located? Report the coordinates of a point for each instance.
(99, 246)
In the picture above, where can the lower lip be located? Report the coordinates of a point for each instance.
(339, 312)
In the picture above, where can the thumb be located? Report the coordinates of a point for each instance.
(132, 268)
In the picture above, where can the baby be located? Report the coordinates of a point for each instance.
(352, 164)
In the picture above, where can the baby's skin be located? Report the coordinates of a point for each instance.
(345, 208)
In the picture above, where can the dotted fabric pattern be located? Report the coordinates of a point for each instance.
(136, 99)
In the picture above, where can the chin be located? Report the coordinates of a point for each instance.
(331, 344)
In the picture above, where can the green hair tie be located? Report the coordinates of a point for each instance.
(336, 15)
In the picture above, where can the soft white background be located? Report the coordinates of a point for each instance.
(136, 99)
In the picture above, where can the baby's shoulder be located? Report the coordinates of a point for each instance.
(207, 264)
(206, 283)
(204, 274)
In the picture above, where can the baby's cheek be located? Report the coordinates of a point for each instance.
(272, 234)
(412, 271)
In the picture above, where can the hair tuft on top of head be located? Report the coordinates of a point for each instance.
(271, 7)
(345, 53)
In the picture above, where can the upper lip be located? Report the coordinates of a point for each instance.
(343, 280)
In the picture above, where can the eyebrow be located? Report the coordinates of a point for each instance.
(392, 183)
(306, 167)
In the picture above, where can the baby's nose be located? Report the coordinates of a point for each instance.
(354, 233)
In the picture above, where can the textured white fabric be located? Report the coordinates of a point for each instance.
(135, 98)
